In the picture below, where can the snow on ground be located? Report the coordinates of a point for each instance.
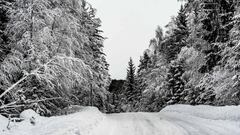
(81, 123)
(207, 112)
(3, 123)
(173, 120)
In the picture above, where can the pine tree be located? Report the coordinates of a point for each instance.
(181, 32)
(144, 62)
(5, 5)
(178, 35)
(235, 31)
(231, 60)
(175, 83)
(131, 91)
(96, 57)
(210, 26)
(216, 19)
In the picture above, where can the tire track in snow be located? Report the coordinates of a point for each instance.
(200, 126)
(162, 124)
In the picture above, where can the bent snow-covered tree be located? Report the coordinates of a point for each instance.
(52, 55)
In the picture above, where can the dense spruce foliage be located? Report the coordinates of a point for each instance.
(197, 60)
(199, 52)
(52, 56)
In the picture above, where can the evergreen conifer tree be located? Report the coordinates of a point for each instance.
(181, 32)
(144, 62)
(178, 35)
(175, 83)
(5, 5)
(216, 23)
(131, 91)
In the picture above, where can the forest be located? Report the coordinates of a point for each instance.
(196, 61)
(51, 57)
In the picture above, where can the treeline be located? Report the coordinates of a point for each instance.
(197, 60)
(51, 56)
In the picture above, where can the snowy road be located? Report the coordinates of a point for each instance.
(173, 120)
(164, 124)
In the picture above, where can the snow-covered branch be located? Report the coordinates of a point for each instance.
(22, 79)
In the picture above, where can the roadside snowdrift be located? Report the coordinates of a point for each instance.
(231, 113)
(173, 120)
(80, 123)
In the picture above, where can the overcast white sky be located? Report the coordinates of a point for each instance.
(129, 25)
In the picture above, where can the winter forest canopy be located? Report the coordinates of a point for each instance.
(51, 57)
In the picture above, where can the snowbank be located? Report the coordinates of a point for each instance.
(172, 120)
(28, 114)
(80, 123)
(207, 112)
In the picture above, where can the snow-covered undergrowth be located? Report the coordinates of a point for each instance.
(80, 123)
(173, 120)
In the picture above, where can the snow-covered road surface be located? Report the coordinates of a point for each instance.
(173, 120)
(164, 124)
